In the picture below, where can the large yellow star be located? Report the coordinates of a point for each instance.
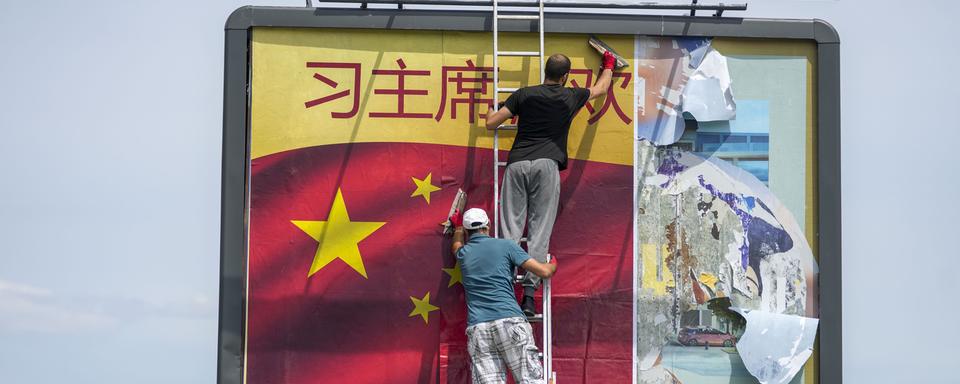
(455, 275)
(338, 237)
(422, 307)
(424, 187)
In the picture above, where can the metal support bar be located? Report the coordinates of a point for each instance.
(564, 4)
(693, 11)
(518, 53)
(517, 17)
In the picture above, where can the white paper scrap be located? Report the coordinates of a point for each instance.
(774, 347)
(706, 96)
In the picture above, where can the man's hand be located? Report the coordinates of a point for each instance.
(544, 270)
(609, 61)
(456, 220)
(495, 118)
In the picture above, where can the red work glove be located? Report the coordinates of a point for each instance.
(553, 260)
(609, 61)
(456, 221)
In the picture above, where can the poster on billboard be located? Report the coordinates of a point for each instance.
(687, 219)
(719, 214)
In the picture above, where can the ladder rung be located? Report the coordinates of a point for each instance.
(502, 163)
(535, 318)
(518, 53)
(507, 90)
(518, 17)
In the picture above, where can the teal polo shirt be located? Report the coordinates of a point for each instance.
(487, 267)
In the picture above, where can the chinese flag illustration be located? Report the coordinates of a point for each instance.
(351, 280)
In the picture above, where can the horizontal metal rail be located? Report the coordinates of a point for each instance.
(518, 17)
(720, 7)
(518, 53)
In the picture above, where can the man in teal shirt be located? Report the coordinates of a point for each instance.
(497, 331)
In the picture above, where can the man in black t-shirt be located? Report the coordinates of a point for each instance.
(531, 182)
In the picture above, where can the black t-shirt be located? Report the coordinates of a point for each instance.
(545, 113)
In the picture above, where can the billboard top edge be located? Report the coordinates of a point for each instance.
(471, 20)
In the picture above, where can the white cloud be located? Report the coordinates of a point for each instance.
(28, 308)
(34, 309)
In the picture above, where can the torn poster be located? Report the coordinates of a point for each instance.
(709, 230)
(774, 347)
(684, 76)
(758, 238)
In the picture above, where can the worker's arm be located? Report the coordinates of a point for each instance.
(608, 62)
(458, 236)
(602, 84)
(494, 119)
(544, 270)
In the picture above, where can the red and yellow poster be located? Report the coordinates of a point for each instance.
(359, 141)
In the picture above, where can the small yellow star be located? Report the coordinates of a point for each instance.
(338, 237)
(424, 187)
(455, 275)
(422, 307)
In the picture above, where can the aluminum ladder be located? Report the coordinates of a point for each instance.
(545, 315)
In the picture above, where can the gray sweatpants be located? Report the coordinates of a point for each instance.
(530, 195)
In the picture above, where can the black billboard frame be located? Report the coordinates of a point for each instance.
(236, 128)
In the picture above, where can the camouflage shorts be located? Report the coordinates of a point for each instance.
(510, 341)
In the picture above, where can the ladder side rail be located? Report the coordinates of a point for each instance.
(547, 305)
(540, 33)
(547, 331)
(496, 131)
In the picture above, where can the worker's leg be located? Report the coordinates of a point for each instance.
(513, 201)
(520, 350)
(486, 364)
(543, 196)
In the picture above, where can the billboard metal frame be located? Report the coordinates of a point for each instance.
(236, 134)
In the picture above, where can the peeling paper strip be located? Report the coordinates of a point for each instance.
(670, 95)
(775, 347)
(709, 280)
(697, 54)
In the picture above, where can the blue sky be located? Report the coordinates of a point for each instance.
(110, 162)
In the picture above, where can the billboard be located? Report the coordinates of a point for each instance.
(349, 132)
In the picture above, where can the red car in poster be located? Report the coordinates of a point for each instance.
(705, 336)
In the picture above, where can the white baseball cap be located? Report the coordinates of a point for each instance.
(475, 218)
